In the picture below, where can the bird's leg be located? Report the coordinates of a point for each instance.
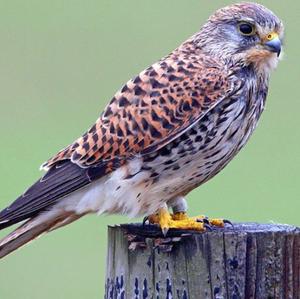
(165, 220)
(180, 220)
(179, 207)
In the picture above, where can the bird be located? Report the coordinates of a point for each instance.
(166, 131)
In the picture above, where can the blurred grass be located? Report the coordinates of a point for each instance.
(60, 62)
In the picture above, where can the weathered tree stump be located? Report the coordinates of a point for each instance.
(248, 260)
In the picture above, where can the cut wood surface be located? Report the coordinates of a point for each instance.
(245, 261)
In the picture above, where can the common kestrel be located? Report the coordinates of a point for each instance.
(165, 132)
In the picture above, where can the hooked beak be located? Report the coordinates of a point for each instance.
(273, 43)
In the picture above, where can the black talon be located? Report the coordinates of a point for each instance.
(146, 218)
(228, 222)
(205, 220)
(207, 226)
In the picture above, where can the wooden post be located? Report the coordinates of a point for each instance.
(246, 261)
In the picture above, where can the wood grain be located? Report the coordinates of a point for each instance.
(246, 261)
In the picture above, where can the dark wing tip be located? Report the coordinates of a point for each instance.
(61, 180)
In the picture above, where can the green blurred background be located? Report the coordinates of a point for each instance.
(60, 62)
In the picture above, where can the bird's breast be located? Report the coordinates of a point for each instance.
(142, 185)
(207, 147)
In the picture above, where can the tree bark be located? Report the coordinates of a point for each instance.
(246, 261)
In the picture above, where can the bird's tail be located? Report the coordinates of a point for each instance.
(33, 228)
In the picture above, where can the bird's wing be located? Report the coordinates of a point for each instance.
(147, 113)
(62, 179)
(151, 110)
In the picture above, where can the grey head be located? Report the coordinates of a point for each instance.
(244, 33)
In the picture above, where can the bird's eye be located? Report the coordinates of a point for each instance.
(246, 29)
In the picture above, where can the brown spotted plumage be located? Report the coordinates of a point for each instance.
(165, 132)
(153, 108)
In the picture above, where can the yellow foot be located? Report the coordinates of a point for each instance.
(181, 221)
(165, 220)
(201, 218)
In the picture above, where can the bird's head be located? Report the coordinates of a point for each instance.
(245, 33)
